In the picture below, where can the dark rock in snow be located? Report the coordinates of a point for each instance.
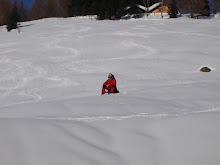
(205, 69)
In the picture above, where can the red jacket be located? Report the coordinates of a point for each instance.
(110, 82)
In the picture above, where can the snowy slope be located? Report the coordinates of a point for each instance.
(167, 111)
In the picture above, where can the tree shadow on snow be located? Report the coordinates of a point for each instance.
(21, 26)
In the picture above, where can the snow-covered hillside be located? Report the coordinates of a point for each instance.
(167, 112)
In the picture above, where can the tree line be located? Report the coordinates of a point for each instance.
(104, 9)
(193, 7)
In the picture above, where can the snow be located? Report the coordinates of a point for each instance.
(167, 112)
(217, 15)
(89, 17)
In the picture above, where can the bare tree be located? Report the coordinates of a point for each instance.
(188, 6)
(49, 8)
(216, 5)
(163, 2)
(161, 9)
(62, 8)
(195, 7)
(23, 11)
(5, 9)
(202, 7)
(146, 4)
(36, 10)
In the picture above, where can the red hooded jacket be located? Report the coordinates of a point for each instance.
(110, 82)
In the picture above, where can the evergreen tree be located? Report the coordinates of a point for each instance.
(101, 9)
(73, 8)
(95, 7)
(111, 9)
(121, 9)
(173, 11)
(133, 7)
(14, 18)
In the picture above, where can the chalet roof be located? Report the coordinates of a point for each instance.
(151, 7)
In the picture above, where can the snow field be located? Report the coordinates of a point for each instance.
(167, 111)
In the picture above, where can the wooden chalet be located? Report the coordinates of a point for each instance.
(156, 8)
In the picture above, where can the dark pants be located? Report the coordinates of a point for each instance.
(110, 89)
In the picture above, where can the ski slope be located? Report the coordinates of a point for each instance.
(167, 112)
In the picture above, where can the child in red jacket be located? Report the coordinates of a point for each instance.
(110, 85)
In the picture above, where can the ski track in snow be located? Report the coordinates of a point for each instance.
(68, 51)
(141, 115)
(19, 73)
(155, 31)
(188, 33)
(119, 118)
(16, 75)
